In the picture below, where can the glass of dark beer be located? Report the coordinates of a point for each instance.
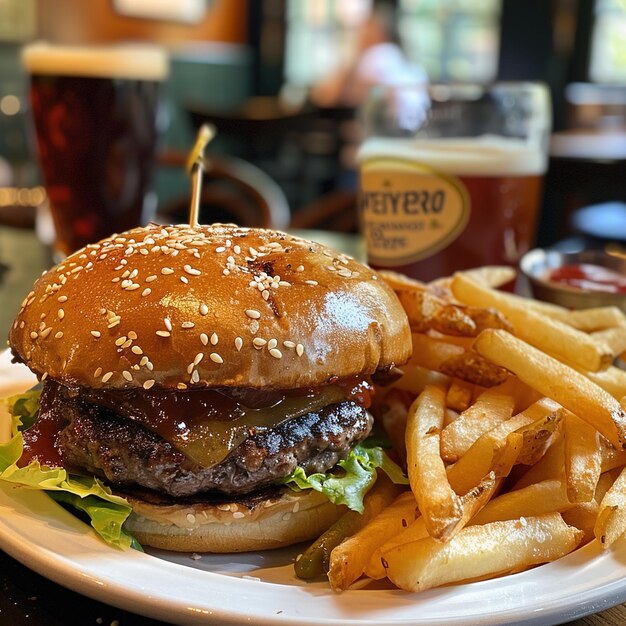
(451, 175)
(96, 117)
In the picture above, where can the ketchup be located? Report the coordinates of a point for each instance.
(588, 277)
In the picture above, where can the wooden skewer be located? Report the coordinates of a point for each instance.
(196, 166)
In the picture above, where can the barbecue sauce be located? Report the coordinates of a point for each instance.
(206, 425)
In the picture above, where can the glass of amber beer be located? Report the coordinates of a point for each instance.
(451, 175)
(95, 112)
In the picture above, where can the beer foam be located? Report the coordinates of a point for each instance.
(487, 155)
(130, 61)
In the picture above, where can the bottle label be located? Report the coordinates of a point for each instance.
(409, 211)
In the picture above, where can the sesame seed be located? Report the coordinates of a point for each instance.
(97, 373)
(162, 333)
(311, 282)
(127, 343)
(148, 384)
(266, 294)
(214, 339)
(238, 343)
(146, 292)
(216, 358)
(187, 325)
(192, 270)
(44, 376)
(253, 314)
(127, 375)
(59, 335)
(181, 386)
(167, 270)
(144, 360)
(107, 377)
(61, 314)
(144, 251)
(151, 278)
(132, 335)
(204, 339)
(168, 323)
(237, 249)
(195, 377)
(238, 514)
(184, 279)
(220, 249)
(258, 342)
(300, 268)
(114, 322)
(45, 332)
(120, 341)
(276, 353)
(226, 272)
(331, 268)
(299, 349)
(34, 335)
(284, 283)
(136, 350)
(204, 309)
(62, 298)
(289, 344)
(272, 343)
(198, 358)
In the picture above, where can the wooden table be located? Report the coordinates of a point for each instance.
(27, 599)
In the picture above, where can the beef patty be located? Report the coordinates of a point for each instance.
(126, 453)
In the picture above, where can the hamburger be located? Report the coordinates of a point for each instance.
(201, 372)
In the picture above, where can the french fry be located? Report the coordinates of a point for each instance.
(537, 437)
(399, 281)
(583, 516)
(492, 407)
(478, 551)
(551, 336)
(471, 503)
(549, 496)
(583, 458)
(415, 531)
(315, 560)
(350, 558)
(451, 359)
(473, 368)
(611, 522)
(613, 338)
(612, 379)
(589, 320)
(425, 311)
(416, 378)
(557, 381)
(431, 353)
(438, 503)
(459, 395)
(551, 466)
(492, 275)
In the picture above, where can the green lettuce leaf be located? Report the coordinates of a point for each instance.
(106, 511)
(357, 476)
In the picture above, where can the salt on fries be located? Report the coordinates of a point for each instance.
(510, 420)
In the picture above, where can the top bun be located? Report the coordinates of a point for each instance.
(207, 306)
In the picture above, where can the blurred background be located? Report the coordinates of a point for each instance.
(271, 76)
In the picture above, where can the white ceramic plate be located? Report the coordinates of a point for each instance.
(261, 588)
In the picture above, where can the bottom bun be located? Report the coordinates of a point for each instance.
(279, 520)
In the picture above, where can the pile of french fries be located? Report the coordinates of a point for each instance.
(510, 421)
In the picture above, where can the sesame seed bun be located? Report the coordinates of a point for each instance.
(275, 522)
(181, 307)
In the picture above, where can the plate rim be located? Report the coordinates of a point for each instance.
(91, 578)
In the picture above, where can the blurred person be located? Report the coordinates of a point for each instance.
(378, 60)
